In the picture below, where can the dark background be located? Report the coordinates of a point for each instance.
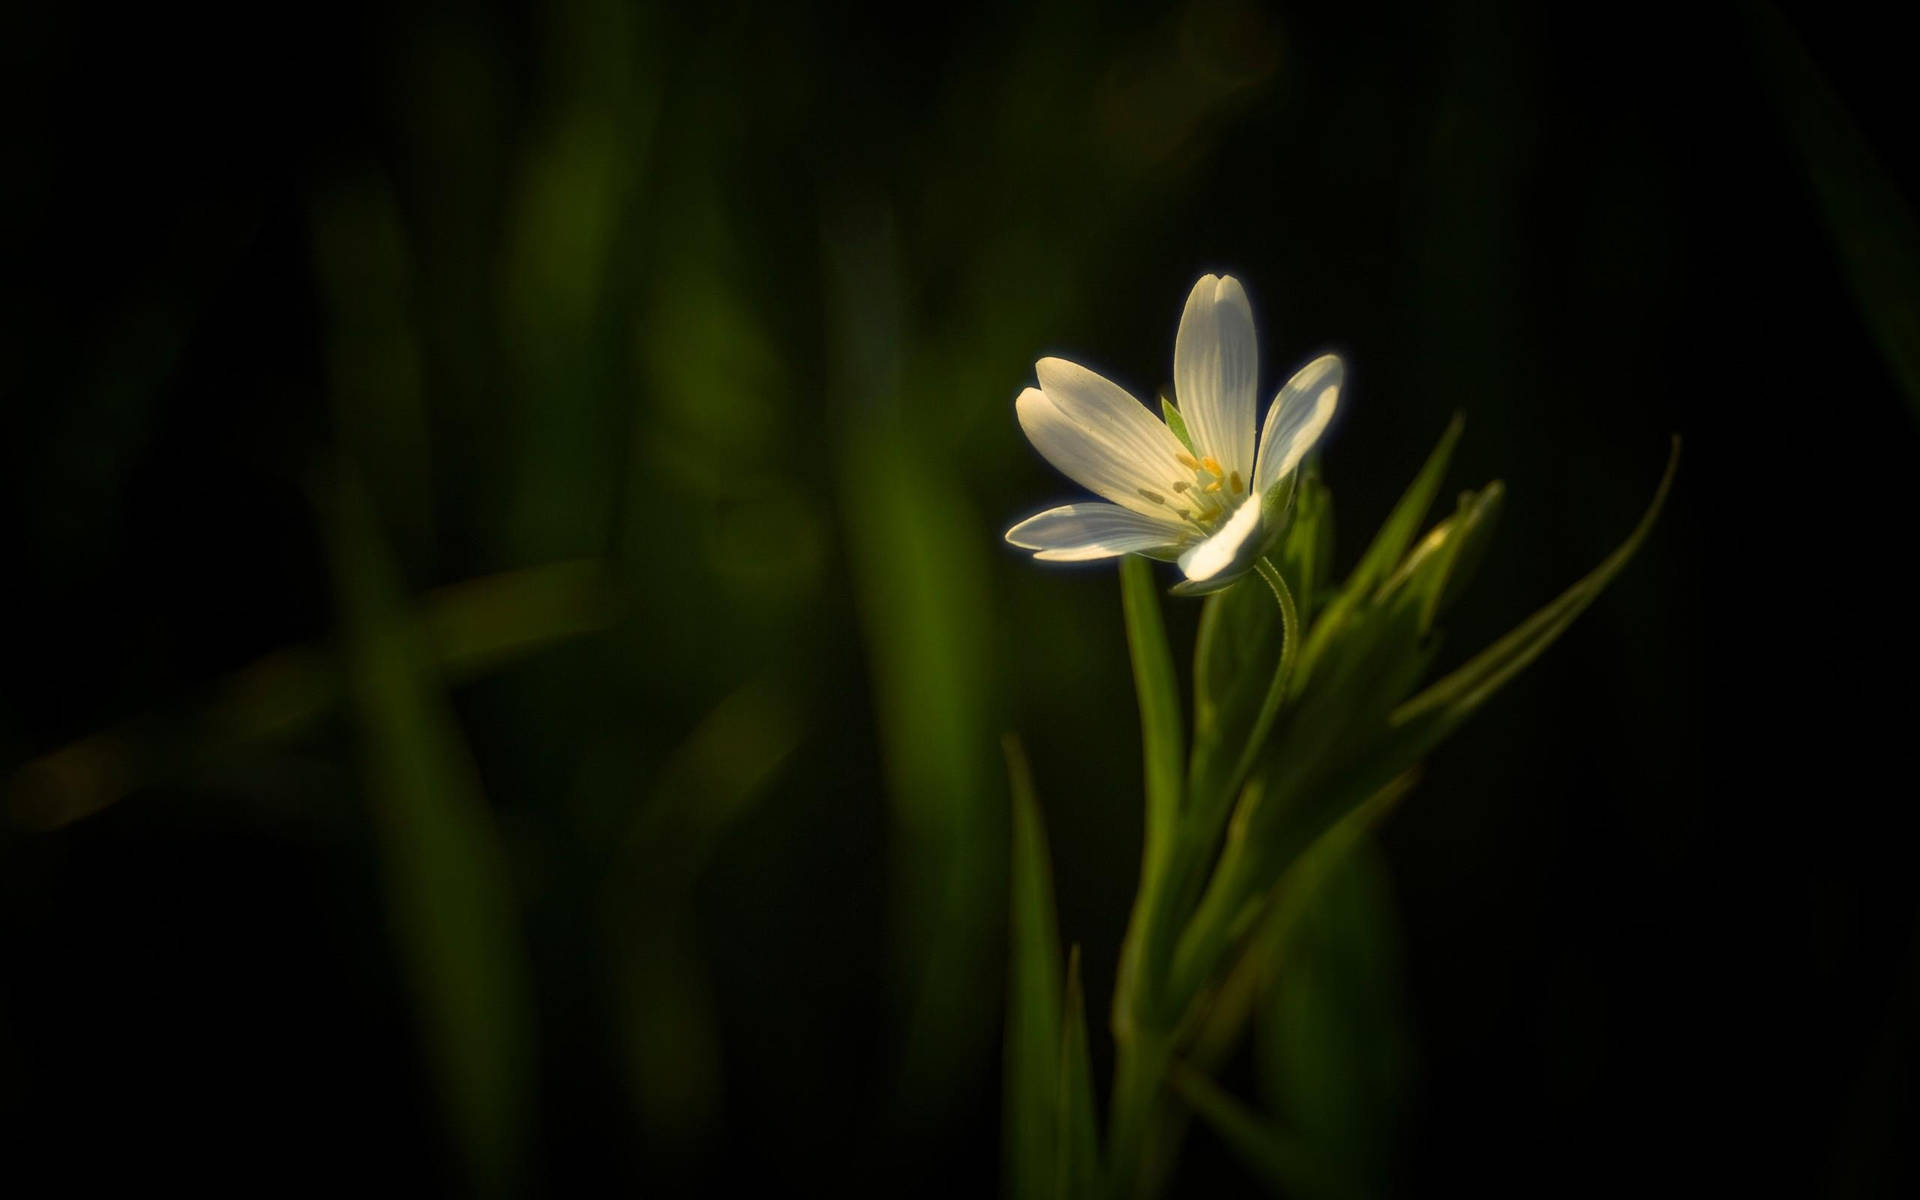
(737, 302)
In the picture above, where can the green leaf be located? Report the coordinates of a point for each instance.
(1453, 698)
(1160, 733)
(444, 866)
(1331, 1034)
(1078, 1128)
(1433, 574)
(1284, 1162)
(1221, 1020)
(1396, 534)
(1305, 552)
(1348, 736)
(1235, 655)
(1175, 421)
(1386, 552)
(1033, 1039)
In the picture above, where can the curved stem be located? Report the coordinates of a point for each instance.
(1282, 677)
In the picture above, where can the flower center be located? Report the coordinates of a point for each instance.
(1202, 494)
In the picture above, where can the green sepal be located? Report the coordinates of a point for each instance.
(1176, 422)
(1206, 587)
(1275, 508)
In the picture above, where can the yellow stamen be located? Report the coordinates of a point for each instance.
(1188, 461)
(1212, 487)
(1212, 464)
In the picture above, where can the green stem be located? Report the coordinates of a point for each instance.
(1175, 862)
(1282, 678)
(1162, 742)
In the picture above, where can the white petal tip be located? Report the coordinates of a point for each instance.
(1230, 549)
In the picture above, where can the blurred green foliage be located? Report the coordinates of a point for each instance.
(506, 505)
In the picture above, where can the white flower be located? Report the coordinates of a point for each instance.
(1205, 507)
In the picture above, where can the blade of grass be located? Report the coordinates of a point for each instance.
(1455, 697)
(1079, 1133)
(468, 629)
(1033, 1071)
(1390, 544)
(922, 583)
(445, 869)
(1388, 548)
(1285, 1163)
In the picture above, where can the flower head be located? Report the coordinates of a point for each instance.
(1204, 496)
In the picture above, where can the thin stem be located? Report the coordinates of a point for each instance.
(1282, 678)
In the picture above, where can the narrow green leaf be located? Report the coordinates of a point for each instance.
(1436, 570)
(1031, 1105)
(1305, 553)
(1478, 517)
(1215, 1027)
(1284, 1162)
(1453, 698)
(445, 869)
(1176, 422)
(1324, 758)
(1078, 1129)
(1396, 533)
(1385, 553)
(1162, 744)
(1236, 653)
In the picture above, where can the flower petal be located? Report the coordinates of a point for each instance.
(1093, 458)
(1232, 547)
(1078, 532)
(1216, 371)
(1297, 419)
(1104, 408)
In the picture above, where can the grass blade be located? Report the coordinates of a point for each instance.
(1285, 1163)
(1453, 698)
(467, 629)
(445, 868)
(1079, 1132)
(1030, 1118)
(1390, 544)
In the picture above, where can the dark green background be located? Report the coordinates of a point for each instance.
(739, 301)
